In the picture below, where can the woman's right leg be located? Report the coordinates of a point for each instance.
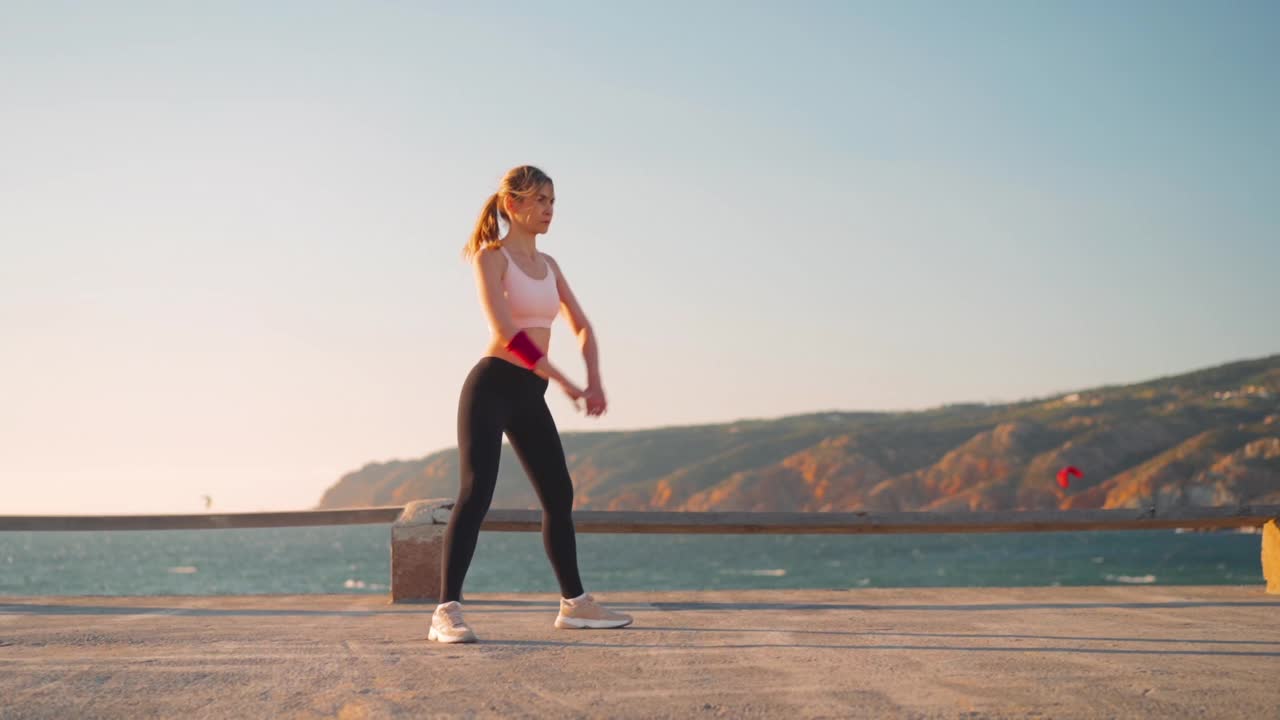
(482, 415)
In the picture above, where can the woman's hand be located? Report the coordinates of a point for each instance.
(596, 403)
(574, 392)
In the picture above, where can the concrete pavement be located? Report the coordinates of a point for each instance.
(1162, 652)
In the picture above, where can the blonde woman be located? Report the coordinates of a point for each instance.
(521, 291)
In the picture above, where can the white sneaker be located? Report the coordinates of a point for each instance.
(585, 612)
(447, 625)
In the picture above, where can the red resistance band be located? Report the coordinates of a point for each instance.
(522, 347)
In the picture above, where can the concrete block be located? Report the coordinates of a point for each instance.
(417, 550)
(1271, 556)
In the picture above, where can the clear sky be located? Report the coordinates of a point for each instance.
(230, 232)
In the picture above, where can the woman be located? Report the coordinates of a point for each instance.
(521, 291)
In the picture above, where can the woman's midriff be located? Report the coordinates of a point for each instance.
(540, 337)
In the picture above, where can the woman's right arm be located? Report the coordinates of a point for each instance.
(489, 266)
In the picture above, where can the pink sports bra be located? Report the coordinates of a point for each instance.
(533, 302)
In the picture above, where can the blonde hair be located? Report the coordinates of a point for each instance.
(519, 182)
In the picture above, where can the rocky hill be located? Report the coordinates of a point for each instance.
(1210, 437)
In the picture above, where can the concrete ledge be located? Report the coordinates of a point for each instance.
(417, 549)
(417, 539)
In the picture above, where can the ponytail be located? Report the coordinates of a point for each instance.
(486, 231)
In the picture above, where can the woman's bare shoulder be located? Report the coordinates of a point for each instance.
(550, 260)
(491, 256)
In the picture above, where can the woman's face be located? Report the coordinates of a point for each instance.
(533, 212)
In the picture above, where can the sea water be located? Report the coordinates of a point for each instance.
(356, 559)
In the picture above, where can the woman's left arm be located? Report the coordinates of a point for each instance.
(581, 327)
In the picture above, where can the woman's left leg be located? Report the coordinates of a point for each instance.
(533, 435)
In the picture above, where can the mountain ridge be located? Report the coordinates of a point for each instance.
(1209, 436)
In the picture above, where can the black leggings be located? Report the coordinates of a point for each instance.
(497, 397)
